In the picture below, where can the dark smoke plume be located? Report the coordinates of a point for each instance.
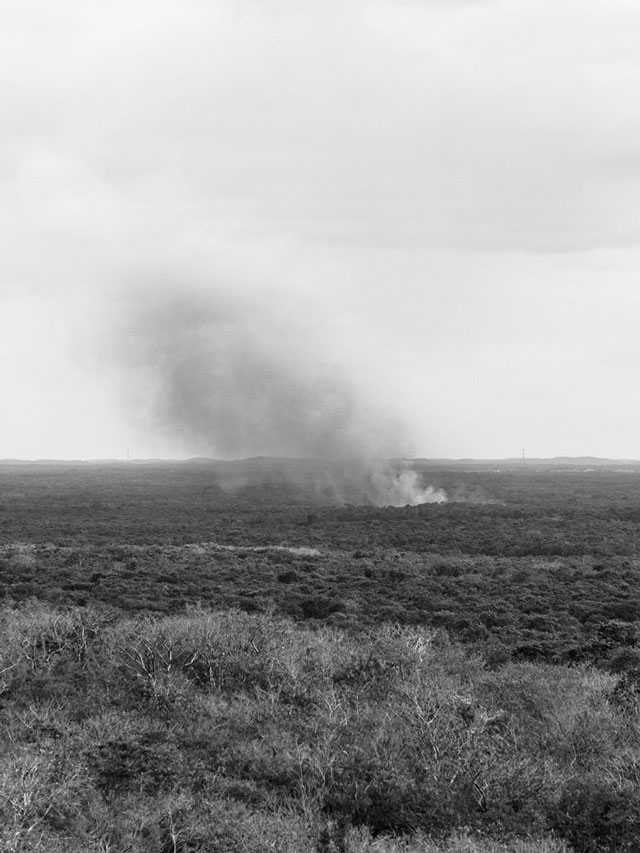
(231, 376)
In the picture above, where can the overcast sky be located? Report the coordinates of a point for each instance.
(426, 213)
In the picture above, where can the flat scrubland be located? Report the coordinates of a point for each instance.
(216, 658)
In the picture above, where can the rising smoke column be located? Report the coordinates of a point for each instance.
(233, 375)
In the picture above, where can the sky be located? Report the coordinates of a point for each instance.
(319, 228)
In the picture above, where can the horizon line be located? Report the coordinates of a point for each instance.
(10, 460)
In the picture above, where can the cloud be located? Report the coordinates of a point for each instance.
(489, 126)
(371, 193)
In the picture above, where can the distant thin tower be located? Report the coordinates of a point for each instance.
(523, 459)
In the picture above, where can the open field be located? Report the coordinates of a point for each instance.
(202, 657)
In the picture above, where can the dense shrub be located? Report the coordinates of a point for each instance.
(230, 731)
(596, 817)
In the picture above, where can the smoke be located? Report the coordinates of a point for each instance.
(352, 481)
(404, 489)
(236, 374)
(381, 483)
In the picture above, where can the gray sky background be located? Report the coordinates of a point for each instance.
(436, 202)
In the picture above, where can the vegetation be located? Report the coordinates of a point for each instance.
(561, 609)
(296, 678)
(229, 731)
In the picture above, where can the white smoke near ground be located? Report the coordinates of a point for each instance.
(382, 483)
(405, 490)
(347, 481)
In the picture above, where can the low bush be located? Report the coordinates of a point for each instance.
(224, 730)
